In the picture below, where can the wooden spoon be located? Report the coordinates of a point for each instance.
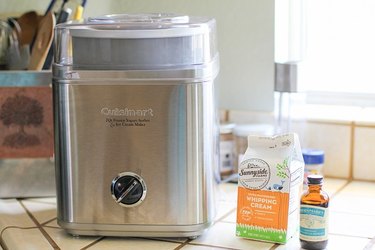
(43, 42)
(29, 24)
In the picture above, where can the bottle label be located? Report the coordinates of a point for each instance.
(314, 223)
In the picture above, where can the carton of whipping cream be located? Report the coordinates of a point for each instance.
(269, 185)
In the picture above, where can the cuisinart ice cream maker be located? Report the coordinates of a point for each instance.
(135, 125)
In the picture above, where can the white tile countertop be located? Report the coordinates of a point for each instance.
(31, 224)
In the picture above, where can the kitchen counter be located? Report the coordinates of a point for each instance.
(31, 224)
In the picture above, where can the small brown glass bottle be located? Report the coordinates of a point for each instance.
(314, 215)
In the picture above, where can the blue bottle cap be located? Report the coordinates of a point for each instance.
(313, 156)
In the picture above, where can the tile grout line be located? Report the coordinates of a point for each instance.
(2, 242)
(228, 222)
(204, 245)
(340, 189)
(337, 123)
(93, 243)
(369, 246)
(274, 246)
(3, 246)
(163, 240)
(149, 239)
(350, 236)
(352, 213)
(33, 200)
(364, 180)
(183, 244)
(226, 115)
(364, 125)
(48, 221)
(352, 147)
(224, 215)
(41, 229)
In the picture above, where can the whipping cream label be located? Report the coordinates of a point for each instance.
(314, 221)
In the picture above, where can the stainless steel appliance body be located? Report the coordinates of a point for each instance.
(135, 144)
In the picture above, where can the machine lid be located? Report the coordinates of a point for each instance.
(136, 42)
(154, 25)
(140, 18)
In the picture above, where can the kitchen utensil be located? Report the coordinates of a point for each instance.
(136, 131)
(50, 7)
(28, 23)
(62, 18)
(61, 9)
(17, 55)
(42, 42)
(5, 31)
(79, 11)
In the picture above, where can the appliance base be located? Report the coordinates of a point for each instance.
(191, 231)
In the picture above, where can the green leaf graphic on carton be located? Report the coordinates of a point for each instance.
(282, 169)
(261, 233)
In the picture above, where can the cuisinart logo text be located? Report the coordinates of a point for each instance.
(127, 112)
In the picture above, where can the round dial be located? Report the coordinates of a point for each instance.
(128, 189)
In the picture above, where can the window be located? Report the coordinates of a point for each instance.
(340, 47)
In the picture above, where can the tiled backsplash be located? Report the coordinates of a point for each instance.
(334, 138)
(349, 145)
(364, 152)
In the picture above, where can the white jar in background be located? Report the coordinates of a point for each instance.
(314, 159)
(226, 149)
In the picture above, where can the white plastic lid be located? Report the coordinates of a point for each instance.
(154, 25)
(226, 128)
(253, 129)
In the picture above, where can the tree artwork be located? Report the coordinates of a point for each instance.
(282, 169)
(21, 111)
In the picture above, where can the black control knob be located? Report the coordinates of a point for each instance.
(128, 189)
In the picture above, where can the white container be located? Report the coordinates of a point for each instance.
(226, 149)
(314, 159)
(241, 132)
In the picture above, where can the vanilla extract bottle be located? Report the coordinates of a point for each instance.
(314, 215)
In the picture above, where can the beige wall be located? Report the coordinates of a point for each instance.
(245, 39)
(17, 7)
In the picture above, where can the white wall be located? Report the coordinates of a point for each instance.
(17, 7)
(245, 36)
